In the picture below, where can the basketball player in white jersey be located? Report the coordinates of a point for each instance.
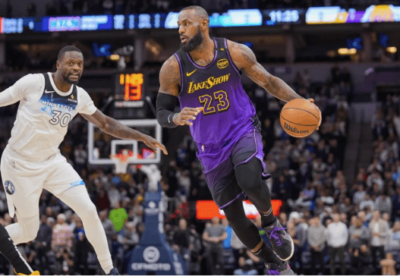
(32, 161)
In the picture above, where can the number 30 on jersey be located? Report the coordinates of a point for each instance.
(60, 118)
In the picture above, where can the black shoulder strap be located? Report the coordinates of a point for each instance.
(47, 83)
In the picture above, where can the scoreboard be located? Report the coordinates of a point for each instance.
(130, 95)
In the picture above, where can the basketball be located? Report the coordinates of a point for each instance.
(300, 118)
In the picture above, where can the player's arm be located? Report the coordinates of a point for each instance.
(6, 98)
(167, 98)
(118, 130)
(19, 90)
(246, 61)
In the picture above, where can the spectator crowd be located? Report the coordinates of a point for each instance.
(337, 227)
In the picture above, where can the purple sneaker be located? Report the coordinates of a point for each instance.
(282, 269)
(281, 242)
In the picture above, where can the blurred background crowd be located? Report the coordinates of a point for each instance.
(354, 228)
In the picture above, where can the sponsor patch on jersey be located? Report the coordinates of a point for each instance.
(77, 183)
(9, 186)
(222, 63)
(72, 98)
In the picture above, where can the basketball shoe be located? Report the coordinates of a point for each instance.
(282, 269)
(281, 242)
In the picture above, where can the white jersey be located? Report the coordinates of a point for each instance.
(43, 115)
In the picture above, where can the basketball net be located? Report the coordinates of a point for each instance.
(121, 161)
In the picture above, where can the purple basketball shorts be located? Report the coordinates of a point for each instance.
(219, 165)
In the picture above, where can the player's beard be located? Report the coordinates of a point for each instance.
(66, 78)
(193, 43)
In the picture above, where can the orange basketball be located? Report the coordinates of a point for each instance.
(300, 118)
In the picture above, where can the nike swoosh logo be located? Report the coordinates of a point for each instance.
(190, 74)
(45, 91)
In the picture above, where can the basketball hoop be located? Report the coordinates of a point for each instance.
(121, 161)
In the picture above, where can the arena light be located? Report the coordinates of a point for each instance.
(114, 57)
(346, 51)
(391, 49)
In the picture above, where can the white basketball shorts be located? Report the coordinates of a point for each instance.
(24, 180)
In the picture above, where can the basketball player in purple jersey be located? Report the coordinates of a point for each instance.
(205, 76)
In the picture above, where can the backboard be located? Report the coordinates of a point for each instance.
(101, 148)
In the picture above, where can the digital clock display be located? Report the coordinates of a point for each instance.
(283, 16)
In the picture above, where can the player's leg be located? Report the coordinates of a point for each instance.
(250, 237)
(77, 198)
(65, 183)
(11, 253)
(247, 158)
(22, 184)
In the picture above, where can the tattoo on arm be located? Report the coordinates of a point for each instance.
(256, 72)
(113, 127)
(170, 77)
(117, 129)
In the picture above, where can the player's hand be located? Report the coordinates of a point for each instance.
(186, 116)
(154, 144)
(320, 115)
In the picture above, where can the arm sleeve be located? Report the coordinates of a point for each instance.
(166, 104)
(86, 105)
(18, 91)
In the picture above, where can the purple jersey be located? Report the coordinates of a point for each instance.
(217, 87)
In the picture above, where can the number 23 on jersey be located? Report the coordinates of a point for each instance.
(223, 102)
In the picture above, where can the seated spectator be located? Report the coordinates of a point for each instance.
(360, 261)
(62, 235)
(82, 248)
(118, 217)
(214, 236)
(388, 265)
(316, 241)
(128, 237)
(375, 178)
(359, 195)
(337, 238)
(393, 239)
(367, 202)
(379, 231)
(227, 242)
(107, 225)
(359, 234)
(386, 217)
(182, 238)
(383, 204)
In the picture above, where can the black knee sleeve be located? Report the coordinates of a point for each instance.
(248, 176)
